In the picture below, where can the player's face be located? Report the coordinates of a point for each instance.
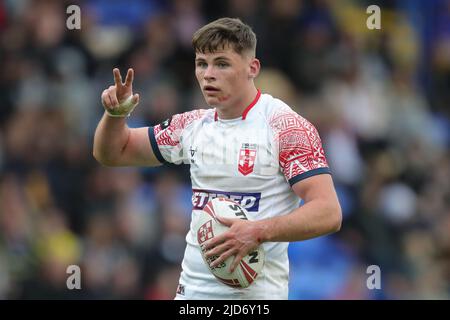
(223, 75)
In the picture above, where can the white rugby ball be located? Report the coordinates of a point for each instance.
(208, 227)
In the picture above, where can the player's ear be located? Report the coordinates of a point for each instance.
(255, 66)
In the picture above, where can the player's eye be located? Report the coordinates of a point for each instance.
(201, 64)
(222, 64)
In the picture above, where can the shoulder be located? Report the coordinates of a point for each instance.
(281, 117)
(183, 120)
(301, 154)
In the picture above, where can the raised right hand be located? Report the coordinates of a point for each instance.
(118, 100)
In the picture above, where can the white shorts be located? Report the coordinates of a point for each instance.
(198, 283)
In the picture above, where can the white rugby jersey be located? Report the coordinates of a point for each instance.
(253, 160)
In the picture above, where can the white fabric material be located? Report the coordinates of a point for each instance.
(249, 161)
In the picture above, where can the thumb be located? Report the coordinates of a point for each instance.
(135, 99)
(225, 221)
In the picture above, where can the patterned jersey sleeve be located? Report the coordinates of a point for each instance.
(166, 137)
(301, 154)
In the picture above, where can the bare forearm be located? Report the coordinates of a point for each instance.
(311, 220)
(111, 137)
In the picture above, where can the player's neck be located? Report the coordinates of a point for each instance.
(237, 108)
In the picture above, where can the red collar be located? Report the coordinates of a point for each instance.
(244, 114)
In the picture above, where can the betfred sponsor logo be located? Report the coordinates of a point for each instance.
(248, 200)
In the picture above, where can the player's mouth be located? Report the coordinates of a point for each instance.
(210, 89)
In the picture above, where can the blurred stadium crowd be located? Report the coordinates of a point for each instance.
(380, 99)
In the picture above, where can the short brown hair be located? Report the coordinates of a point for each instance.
(222, 32)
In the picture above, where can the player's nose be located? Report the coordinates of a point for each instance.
(209, 73)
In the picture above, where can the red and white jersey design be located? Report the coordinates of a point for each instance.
(253, 160)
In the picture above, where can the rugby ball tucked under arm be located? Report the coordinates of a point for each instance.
(208, 227)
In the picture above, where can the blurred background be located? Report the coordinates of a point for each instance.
(379, 98)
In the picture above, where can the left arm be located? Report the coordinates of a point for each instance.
(320, 215)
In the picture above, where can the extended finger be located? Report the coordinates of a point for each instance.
(236, 261)
(224, 256)
(217, 250)
(129, 78)
(213, 242)
(117, 77)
